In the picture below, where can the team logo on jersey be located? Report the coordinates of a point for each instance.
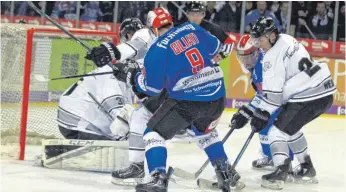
(266, 66)
(291, 50)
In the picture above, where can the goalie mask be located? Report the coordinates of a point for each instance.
(129, 26)
(158, 18)
(247, 52)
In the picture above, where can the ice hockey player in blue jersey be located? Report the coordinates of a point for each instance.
(251, 58)
(179, 66)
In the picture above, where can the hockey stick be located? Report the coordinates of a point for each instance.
(205, 183)
(41, 78)
(187, 175)
(95, 100)
(236, 161)
(66, 31)
(59, 26)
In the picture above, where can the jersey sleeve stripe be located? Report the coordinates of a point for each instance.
(217, 48)
(132, 48)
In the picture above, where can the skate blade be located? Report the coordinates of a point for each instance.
(265, 168)
(275, 185)
(208, 184)
(306, 180)
(183, 174)
(127, 182)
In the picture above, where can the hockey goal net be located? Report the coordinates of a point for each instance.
(30, 56)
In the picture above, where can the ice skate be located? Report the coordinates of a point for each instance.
(158, 182)
(276, 179)
(228, 178)
(305, 172)
(263, 162)
(130, 175)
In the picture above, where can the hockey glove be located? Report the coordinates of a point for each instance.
(241, 118)
(126, 72)
(139, 94)
(260, 120)
(226, 50)
(104, 54)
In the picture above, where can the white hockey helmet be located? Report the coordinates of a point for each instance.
(247, 52)
(157, 18)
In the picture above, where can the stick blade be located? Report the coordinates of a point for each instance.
(184, 174)
(41, 78)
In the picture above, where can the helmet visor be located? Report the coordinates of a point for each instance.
(248, 60)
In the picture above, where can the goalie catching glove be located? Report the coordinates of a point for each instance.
(120, 126)
(104, 54)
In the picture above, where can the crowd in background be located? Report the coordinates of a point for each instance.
(317, 16)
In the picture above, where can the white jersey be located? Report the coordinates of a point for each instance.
(289, 75)
(78, 111)
(137, 47)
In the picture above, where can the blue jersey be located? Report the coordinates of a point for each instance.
(180, 61)
(256, 75)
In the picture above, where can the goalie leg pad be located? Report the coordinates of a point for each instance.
(84, 155)
(73, 134)
(166, 121)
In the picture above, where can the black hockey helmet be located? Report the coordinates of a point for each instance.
(129, 26)
(263, 26)
(196, 6)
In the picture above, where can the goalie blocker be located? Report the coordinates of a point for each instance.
(84, 155)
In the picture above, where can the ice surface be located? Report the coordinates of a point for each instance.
(326, 144)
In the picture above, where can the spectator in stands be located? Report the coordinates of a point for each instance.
(330, 9)
(64, 9)
(275, 7)
(92, 12)
(177, 14)
(282, 15)
(341, 24)
(300, 13)
(107, 8)
(23, 9)
(212, 8)
(320, 24)
(249, 7)
(137, 9)
(261, 10)
(5, 7)
(229, 17)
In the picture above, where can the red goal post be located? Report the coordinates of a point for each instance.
(28, 107)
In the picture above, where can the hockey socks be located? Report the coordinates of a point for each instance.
(211, 144)
(155, 151)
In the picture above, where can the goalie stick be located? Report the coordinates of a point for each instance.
(205, 183)
(187, 175)
(58, 26)
(95, 100)
(41, 78)
(87, 47)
